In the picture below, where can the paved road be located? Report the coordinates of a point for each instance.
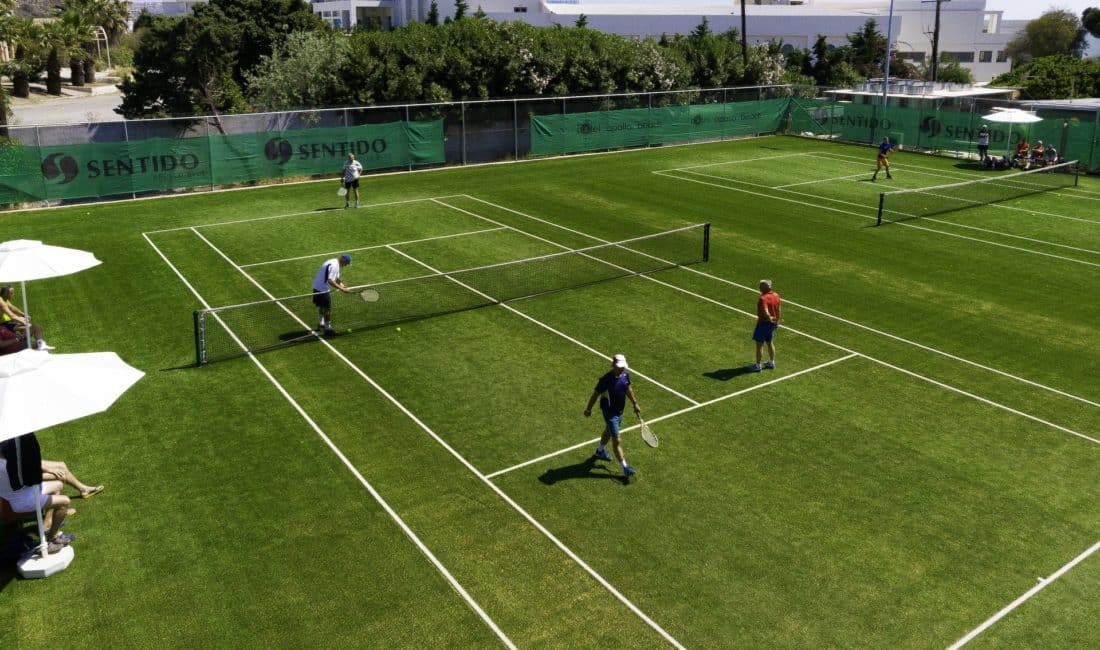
(65, 110)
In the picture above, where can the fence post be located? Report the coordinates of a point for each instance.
(126, 135)
(210, 153)
(462, 109)
(408, 121)
(515, 129)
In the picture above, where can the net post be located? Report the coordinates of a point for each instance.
(200, 337)
(706, 242)
(1076, 173)
(881, 202)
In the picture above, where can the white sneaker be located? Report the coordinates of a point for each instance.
(42, 345)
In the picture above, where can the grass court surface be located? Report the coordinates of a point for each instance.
(922, 468)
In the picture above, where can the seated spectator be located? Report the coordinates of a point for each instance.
(14, 319)
(1050, 156)
(10, 342)
(22, 487)
(56, 470)
(1037, 153)
(1023, 150)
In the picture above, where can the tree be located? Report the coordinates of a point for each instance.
(461, 6)
(433, 14)
(582, 21)
(304, 71)
(1055, 32)
(950, 70)
(1090, 20)
(62, 42)
(868, 49)
(1054, 77)
(30, 55)
(82, 32)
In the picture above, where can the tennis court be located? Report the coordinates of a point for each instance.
(924, 456)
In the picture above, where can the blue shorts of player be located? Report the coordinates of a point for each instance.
(352, 184)
(322, 299)
(764, 332)
(613, 421)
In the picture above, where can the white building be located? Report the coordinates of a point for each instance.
(166, 8)
(968, 32)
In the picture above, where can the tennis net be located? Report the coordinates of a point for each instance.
(234, 330)
(902, 205)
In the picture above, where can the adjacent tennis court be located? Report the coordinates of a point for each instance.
(919, 470)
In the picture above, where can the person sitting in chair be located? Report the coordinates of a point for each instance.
(1023, 149)
(1037, 153)
(1050, 156)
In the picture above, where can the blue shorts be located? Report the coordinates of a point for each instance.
(764, 332)
(322, 299)
(613, 424)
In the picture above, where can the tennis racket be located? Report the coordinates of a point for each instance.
(369, 295)
(343, 191)
(648, 436)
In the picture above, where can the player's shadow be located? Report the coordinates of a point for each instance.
(726, 374)
(584, 469)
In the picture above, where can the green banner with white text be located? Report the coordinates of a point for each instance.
(99, 169)
(636, 127)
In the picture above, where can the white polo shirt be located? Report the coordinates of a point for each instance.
(330, 270)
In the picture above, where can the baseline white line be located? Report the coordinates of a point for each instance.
(375, 246)
(675, 413)
(455, 584)
(873, 218)
(290, 214)
(469, 466)
(536, 321)
(843, 348)
(1022, 599)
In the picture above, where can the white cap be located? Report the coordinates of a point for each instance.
(619, 361)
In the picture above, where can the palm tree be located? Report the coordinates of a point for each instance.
(111, 15)
(30, 50)
(84, 32)
(62, 42)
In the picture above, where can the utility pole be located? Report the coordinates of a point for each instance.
(744, 38)
(936, 37)
(886, 65)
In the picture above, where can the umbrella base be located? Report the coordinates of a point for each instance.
(32, 566)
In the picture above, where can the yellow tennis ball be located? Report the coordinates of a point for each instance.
(398, 329)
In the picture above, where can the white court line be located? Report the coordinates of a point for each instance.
(469, 466)
(292, 214)
(1022, 599)
(347, 463)
(726, 162)
(845, 349)
(894, 223)
(538, 322)
(376, 246)
(675, 413)
(823, 180)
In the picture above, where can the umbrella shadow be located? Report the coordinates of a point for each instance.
(726, 374)
(584, 469)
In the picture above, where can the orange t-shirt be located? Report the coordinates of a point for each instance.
(767, 305)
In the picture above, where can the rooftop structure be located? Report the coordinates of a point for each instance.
(969, 33)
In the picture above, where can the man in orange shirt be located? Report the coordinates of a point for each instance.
(767, 321)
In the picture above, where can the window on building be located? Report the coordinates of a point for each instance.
(1001, 56)
(915, 57)
(961, 57)
(519, 9)
(989, 24)
(985, 56)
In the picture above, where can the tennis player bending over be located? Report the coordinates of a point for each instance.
(614, 386)
(328, 277)
(884, 148)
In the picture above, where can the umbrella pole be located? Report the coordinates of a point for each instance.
(27, 317)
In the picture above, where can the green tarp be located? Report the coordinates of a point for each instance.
(119, 168)
(635, 127)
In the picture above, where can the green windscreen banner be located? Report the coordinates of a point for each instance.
(159, 164)
(635, 127)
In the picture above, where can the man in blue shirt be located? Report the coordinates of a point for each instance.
(614, 386)
(884, 148)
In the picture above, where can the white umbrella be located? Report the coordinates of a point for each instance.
(27, 259)
(38, 390)
(1012, 116)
